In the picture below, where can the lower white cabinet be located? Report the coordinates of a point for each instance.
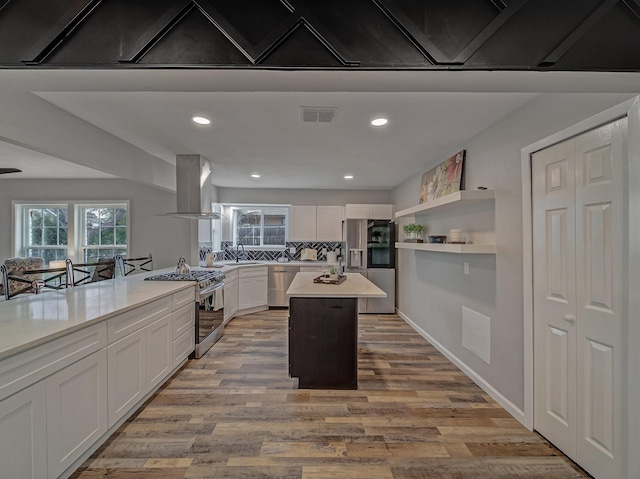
(159, 351)
(23, 434)
(126, 366)
(231, 299)
(253, 287)
(137, 363)
(76, 410)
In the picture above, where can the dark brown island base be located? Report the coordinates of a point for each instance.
(323, 330)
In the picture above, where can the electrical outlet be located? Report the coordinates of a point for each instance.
(466, 268)
(324, 251)
(292, 249)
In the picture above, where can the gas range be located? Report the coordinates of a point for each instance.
(207, 280)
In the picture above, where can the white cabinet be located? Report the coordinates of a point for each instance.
(367, 211)
(23, 433)
(329, 223)
(231, 295)
(159, 349)
(253, 288)
(316, 223)
(302, 223)
(126, 374)
(183, 333)
(76, 410)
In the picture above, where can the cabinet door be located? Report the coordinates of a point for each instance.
(357, 212)
(381, 212)
(260, 291)
(302, 223)
(159, 361)
(126, 374)
(76, 410)
(245, 293)
(329, 223)
(23, 434)
(230, 300)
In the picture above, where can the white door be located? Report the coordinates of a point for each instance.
(578, 192)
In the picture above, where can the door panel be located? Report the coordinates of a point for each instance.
(600, 271)
(554, 296)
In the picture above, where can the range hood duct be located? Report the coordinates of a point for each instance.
(193, 189)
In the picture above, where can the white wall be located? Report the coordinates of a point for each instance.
(302, 196)
(166, 238)
(432, 288)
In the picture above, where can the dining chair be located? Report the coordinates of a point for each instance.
(27, 276)
(127, 266)
(84, 273)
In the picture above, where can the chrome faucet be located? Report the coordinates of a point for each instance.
(238, 251)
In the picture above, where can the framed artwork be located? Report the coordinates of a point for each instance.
(443, 179)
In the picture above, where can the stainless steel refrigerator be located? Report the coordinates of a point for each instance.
(370, 251)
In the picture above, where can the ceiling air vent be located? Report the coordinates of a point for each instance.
(314, 114)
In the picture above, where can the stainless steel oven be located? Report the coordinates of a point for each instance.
(209, 317)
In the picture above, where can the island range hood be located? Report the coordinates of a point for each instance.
(193, 189)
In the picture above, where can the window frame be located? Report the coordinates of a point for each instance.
(74, 247)
(277, 209)
(82, 228)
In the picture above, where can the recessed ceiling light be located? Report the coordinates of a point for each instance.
(255, 175)
(379, 121)
(201, 120)
(348, 177)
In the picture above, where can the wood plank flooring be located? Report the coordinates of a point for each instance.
(235, 414)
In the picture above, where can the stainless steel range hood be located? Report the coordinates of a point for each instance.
(193, 189)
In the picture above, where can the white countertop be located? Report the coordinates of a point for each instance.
(355, 286)
(32, 320)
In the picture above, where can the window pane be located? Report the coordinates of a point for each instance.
(121, 235)
(121, 217)
(51, 236)
(35, 217)
(63, 221)
(107, 216)
(274, 229)
(91, 217)
(35, 236)
(51, 217)
(93, 236)
(46, 254)
(62, 236)
(106, 236)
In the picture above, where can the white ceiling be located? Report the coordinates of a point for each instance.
(256, 121)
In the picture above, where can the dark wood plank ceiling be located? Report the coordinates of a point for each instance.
(569, 35)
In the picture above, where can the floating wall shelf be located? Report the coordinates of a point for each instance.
(450, 248)
(459, 197)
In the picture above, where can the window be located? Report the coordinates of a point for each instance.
(260, 226)
(82, 232)
(103, 232)
(46, 232)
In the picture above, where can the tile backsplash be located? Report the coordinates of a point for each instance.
(228, 252)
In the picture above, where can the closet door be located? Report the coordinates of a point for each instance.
(578, 223)
(554, 281)
(600, 318)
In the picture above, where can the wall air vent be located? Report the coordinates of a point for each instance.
(315, 114)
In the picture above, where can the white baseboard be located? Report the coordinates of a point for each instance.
(511, 408)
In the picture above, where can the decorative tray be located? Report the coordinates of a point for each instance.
(323, 280)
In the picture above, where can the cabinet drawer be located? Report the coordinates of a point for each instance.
(183, 297)
(310, 269)
(250, 272)
(183, 319)
(131, 321)
(24, 369)
(183, 346)
(231, 276)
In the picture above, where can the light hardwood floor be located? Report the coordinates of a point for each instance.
(235, 414)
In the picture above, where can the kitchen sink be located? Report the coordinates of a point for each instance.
(246, 262)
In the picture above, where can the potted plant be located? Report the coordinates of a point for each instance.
(413, 232)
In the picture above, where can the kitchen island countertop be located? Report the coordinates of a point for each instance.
(355, 286)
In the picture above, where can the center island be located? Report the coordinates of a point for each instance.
(323, 330)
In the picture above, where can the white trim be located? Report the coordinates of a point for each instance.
(619, 111)
(511, 408)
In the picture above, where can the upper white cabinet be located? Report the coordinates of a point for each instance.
(329, 223)
(365, 212)
(302, 223)
(316, 223)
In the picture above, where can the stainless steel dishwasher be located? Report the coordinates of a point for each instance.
(280, 278)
